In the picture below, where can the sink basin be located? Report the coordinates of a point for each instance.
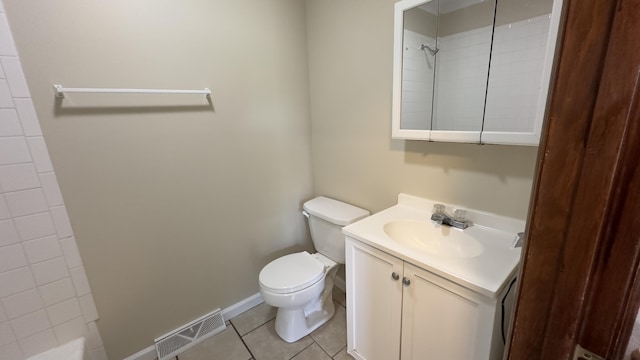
(434, 239)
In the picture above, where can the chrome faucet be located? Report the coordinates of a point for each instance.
(458, 220)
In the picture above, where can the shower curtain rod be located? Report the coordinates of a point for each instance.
(60, 91)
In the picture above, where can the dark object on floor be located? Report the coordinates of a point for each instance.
(635, 355)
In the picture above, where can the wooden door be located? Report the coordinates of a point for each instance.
(579, 282)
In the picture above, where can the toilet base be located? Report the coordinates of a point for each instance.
(292, 324)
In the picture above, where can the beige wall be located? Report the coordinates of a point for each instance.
(481, 14)
(354, 157)
(176, 206)
(421, 22)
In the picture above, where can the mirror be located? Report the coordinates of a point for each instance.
(468, 71)
(520, 71)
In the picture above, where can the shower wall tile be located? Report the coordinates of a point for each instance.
(30, 324)
(16, 281)
(34, 226)
(40, 154)
(8, 233)
(28, 117)
(61, 221)
(5, 96)
(15, 77)
(94, 340)
(50, 271)
(12, 257)
(80, 281)
(10, 123)
(22, 303)
(26, 202)
(18, 177)
(4, 210)
(3, 315)
(14, 150)
(88, 307)
(71, 329)
(42, 249)
(58, 291)
(45, 297)
(6, 335)
(11, 352)
(51, 189)
(38, 343)
(7, 46)
(64, 311)
(71, 253)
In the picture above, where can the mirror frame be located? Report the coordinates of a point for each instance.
(396, 107)
(482, 137)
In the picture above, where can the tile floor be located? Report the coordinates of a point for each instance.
(251, 336)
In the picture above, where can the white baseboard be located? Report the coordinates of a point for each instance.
(228, 313)
(241, 306)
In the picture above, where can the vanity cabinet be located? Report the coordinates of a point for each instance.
(396, 310)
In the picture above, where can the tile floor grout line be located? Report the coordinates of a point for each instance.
(308, 346)
(339, 351)
(242, 339)
(252, 330)
(325, 351)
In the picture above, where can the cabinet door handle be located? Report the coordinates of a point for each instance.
(395, 276)
(406, 281)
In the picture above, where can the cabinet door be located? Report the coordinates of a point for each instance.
(440, 323)
(374, 301)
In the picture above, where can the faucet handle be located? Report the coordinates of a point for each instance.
(438, 213)
(460, 215)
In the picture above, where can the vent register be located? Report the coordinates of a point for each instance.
(189, 335)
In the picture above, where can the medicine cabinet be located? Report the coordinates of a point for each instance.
(474, 71)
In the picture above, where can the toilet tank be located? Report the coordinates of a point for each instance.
(327, 217)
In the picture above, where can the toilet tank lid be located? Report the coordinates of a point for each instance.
(334, 211)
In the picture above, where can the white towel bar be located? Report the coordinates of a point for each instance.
(60, 91)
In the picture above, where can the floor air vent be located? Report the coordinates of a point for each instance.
(185, 337)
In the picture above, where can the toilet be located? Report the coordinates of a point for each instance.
(300, 284)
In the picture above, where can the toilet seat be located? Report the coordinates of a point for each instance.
(291, 273)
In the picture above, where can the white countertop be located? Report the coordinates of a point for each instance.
(486, 273)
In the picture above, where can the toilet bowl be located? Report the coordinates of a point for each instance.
(300, 285)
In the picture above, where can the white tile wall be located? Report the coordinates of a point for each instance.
(12, 257)
(9, 123)
(45, 298)
(26, 202)
(516, 68)
(22, 303)
(38, 343)
(27, 114)
(42, 249)
(18, 177)
(461, 80)
(418, 67)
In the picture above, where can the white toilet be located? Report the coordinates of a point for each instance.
(300, 285)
